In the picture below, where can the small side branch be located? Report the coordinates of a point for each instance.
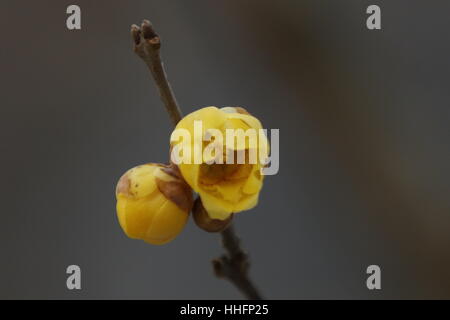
(234, 265)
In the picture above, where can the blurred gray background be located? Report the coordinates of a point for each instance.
(364, 128)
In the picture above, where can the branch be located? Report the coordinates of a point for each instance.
(146, 45)
(234, 264)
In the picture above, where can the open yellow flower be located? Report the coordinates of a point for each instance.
(153, 203)
(224, 188)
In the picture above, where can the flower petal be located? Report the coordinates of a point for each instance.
(254, 182)
(217, 208)
(247, 203)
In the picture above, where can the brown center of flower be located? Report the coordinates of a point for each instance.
(217, 173)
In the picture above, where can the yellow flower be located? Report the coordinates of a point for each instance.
(153, 203)
(224, 188)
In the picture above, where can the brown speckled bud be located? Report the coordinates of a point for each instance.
(153, 203)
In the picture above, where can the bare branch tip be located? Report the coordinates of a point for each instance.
(135, 34)
(147, 30)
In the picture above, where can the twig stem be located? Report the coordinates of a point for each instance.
(146, 45)
(234, 264)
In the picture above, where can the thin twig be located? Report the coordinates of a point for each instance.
(234, 264)
(146, 45)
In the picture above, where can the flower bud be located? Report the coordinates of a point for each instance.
(225, 188)
(153, 203)
(205, 222)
